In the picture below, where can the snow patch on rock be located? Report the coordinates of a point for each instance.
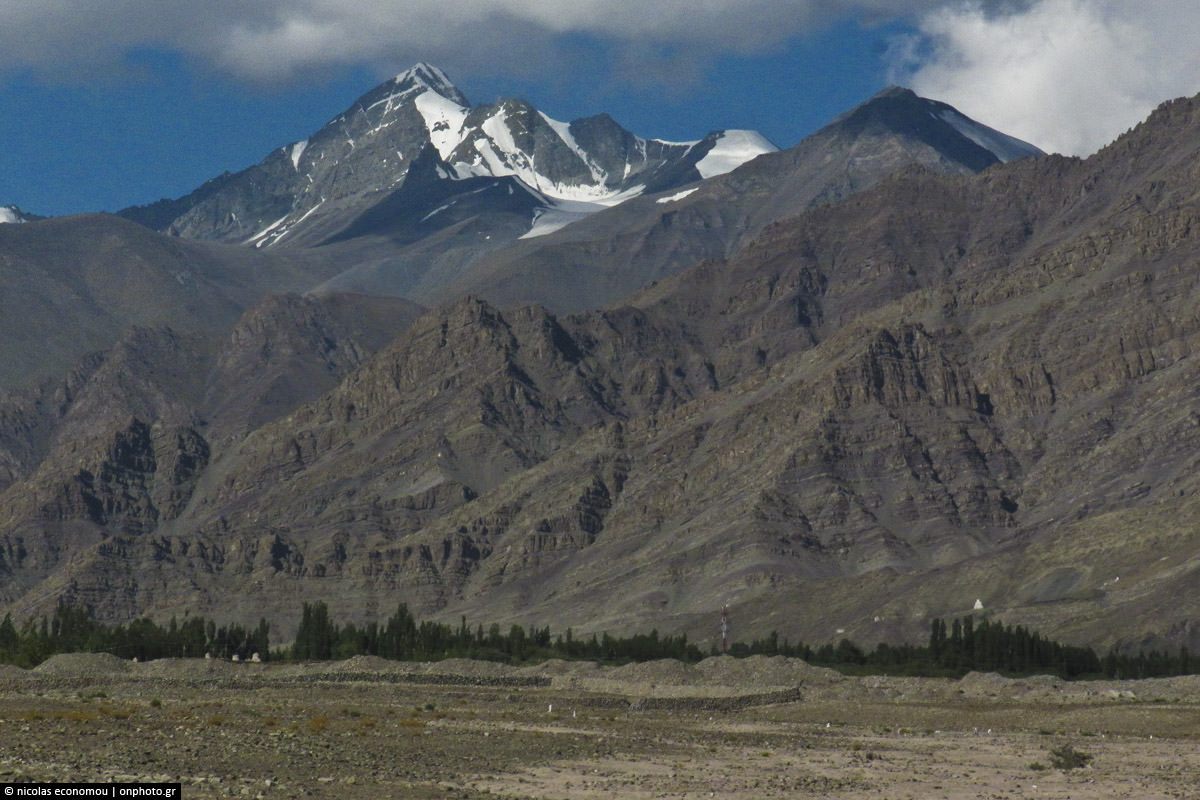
(1004, 147)
(677, 196)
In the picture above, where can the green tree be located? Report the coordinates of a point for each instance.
(316, 635)
(9, 638)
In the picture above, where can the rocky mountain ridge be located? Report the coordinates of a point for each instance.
(985, 394)
(411, 192)
(73, 284)
(70, 286)
(308, 192)
(644, 239)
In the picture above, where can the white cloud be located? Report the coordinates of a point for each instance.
(278, 39)
(1066, 75)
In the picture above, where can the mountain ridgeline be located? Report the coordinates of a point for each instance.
(417, 140)
(880, 378)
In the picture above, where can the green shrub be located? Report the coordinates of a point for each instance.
(1067, 757)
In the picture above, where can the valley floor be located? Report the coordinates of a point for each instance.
(757, 728)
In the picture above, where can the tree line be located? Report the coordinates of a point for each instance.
(403, 638)
(965, 645)
(71, 629)
(952, 649)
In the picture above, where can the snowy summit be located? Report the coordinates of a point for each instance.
(11, 214)
(311, 190)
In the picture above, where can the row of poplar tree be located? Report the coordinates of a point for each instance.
(952, 649)
(71, 629)
(403, 638)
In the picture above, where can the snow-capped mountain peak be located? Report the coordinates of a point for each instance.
(900, 110)
(311, 190)
(431, 78)
(13, 214)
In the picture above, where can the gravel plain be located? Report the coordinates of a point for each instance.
(744, 729)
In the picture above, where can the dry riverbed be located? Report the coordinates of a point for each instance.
(755, 728)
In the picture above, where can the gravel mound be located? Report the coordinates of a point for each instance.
(764, 671)
(368, 664)
(10, 672)
(468, 668)
(188, 668)
(716, 677)
(1184, 688)
(664, 671)
(1049, 688)
(83, 665)
(560, 668)
(989, 684)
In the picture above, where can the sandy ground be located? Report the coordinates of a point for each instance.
(758, 728)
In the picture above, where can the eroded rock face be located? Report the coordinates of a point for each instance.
(942, 389)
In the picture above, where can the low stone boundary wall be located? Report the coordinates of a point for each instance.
(715, 703)
(427, 678)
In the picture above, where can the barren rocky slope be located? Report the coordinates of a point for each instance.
(940, 390)
(72, 285)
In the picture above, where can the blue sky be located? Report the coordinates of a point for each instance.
(104, 105)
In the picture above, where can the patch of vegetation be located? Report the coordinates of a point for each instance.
(1067, 757)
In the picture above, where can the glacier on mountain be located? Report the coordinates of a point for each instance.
(497, 153)
(559, 212)
(733, 148)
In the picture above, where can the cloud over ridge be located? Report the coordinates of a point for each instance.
(274, 39)
(1067, 75)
